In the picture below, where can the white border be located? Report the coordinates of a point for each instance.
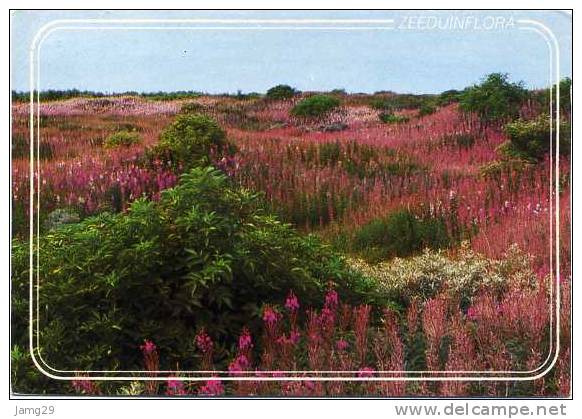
(51, 27)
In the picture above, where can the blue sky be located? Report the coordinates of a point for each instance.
(216, 61)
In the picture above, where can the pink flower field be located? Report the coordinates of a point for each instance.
(340, 177)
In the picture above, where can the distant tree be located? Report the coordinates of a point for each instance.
(496, 99)
(281, 91)
(448, 96)
(338, 92)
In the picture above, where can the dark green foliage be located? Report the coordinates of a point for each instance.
(115, 197)
(245, 96)
(122, 139)
(530, 139)
(361, 160)
(427, 108)
(330, 153)
(204, 255)
(401, 234)
(566, 95)
(181, 94)
(190, 139)
(281, 91)
(50, 95)
(543, 97)
(382, 104)
(495, 99)
(121, 126)
(338, 92)
(315, 106)
(415, 351)
(399, 101)
(390, 118)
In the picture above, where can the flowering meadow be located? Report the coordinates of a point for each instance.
(427, 246)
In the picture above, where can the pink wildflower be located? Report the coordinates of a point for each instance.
(245, 341)
(366, 372)
(84, 386)
(212, 388)
(240, 363)
(292, 303)
(204, 342)
(342, 345)
(331, 299)
(472, 313)
(148, 347)
(270, 316)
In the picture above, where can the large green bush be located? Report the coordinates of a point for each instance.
(315, 106)
(190, 140)
(495, 99)
(205, 255)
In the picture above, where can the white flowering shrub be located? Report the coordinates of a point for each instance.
(462, 275)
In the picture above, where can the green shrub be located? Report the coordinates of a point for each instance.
(447, 97)
(122, 139)
(315, 106)
(190, 139)
(399, 101)
(426, 108)
(281, 91)
(382, 104)
(167, 96)
(390, 118)
(400, 234)
(464, 276)
(204, 255)
(192, 107)
(530, 139)
(507, 166)
(543, 96)
(495, 99)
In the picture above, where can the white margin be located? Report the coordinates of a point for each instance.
(52, 26)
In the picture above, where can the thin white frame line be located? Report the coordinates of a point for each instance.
(551, 273)
(259, 378)
(38, 180)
